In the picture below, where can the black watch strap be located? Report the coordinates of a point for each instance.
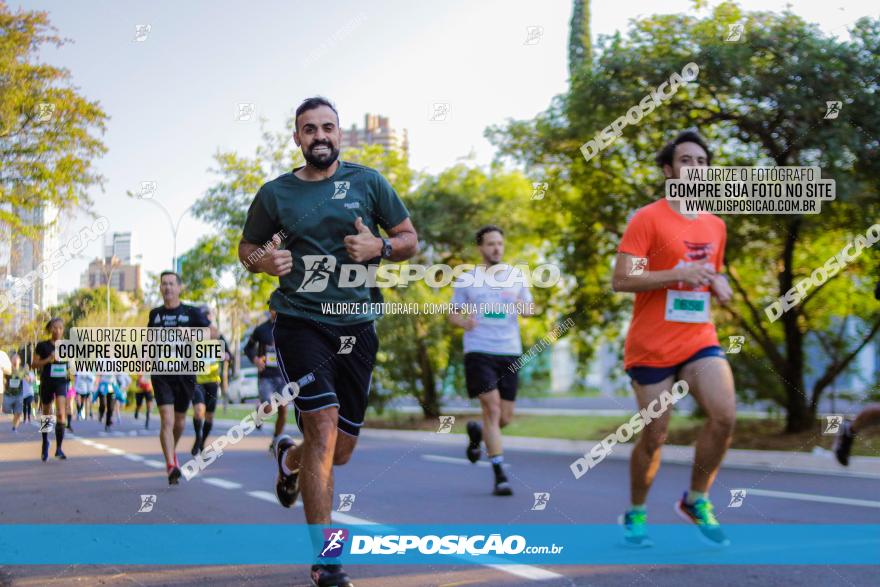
(386, 248)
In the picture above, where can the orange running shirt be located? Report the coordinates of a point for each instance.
(669, 240)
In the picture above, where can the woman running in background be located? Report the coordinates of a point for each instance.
(143, 394)
(82, 384)
(13, 401)
(54, 380)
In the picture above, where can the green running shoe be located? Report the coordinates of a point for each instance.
(635, 529)
(700, 513)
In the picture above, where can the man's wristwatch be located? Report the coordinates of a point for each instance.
(386, 248)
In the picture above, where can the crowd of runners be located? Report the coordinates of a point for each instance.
(671, 261)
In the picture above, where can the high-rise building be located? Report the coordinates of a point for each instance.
(26, 254)
(120, 246)
(376, 131)
(123, 276)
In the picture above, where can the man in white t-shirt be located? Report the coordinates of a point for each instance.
(492, 297)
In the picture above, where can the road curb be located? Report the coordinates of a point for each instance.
(754, 460)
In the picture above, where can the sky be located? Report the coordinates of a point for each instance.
(173, 97)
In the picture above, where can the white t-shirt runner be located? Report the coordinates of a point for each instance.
(497, 329)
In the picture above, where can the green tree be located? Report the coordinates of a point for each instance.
(579, 42)
(761, 102)
(48, 130)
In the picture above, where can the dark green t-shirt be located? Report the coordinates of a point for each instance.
(315, 217)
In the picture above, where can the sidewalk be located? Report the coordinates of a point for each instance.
(759, 460)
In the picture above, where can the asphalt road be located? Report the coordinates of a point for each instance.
(394, 483)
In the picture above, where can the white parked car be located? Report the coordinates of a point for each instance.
(243, 386)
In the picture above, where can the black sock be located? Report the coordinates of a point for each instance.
(206, 430)
(147, 415)
(45, 438)
(499, 472)
(59, 436)
(197, 424)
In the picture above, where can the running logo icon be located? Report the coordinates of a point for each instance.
(334, 541)
(346, 345)
(832, 109)
(534, 35)
(245, 111)
(45, 110)
(147, 503)
(317, 271)
(446, 423)
(47, 424)
(832, 424)
(736, 344)
(341, 189)
(734, 33)
(541, 500)
(539, 189)
(737, 496)
(141, 32)
(639, 264)
(346, 500)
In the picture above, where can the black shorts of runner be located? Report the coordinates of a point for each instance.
(206, 393)
(342, 366)
(174, 389)
(140, 396)
(484, 372)
(49, 390)
(651, 375)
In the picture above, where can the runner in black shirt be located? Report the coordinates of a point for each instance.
(54, 379)
(173, 392)
(260, 349)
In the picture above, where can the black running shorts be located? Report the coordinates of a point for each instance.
(341, 358)
(206, 393)
(484, 372)
(174, 389)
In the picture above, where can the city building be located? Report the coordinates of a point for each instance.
(120, 246)
(376, 131)
(123, 277)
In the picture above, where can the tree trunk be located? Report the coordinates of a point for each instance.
(796, 401)
(430, 400)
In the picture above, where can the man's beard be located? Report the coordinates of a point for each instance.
(321, 162)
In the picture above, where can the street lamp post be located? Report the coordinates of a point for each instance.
(175, 226)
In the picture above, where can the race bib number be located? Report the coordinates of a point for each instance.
(58, 370)
(687, 306)
(14, 383)
(271, 359)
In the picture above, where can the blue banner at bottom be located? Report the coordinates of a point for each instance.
(246, 544)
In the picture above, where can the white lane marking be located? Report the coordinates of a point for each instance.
(222, 483)
(811, 497)
(270, 497)
(115, 451)
(100, 446)
(523, 571)
(86, 441)
(527, 572)
(135, 458)
(457, 461)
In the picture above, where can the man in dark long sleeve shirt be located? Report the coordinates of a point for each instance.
(260, 349)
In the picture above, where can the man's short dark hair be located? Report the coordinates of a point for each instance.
(311, 104)
(667, 153)
(174, 273)
(487, 229)
(53, 321)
